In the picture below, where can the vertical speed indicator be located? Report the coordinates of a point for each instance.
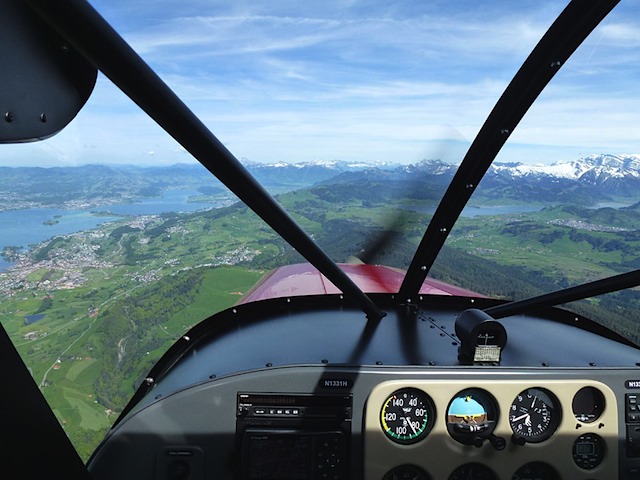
(407, 416)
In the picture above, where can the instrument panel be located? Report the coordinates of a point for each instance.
(313, 395)
(497, 429)
(383, 423)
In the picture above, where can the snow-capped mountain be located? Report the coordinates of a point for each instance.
(592, 168)
(588, 180)
(600, 175)
(432, 167)
(306, 173)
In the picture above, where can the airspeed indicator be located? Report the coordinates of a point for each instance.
(407, 416)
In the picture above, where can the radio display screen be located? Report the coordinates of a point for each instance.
(285, 456)
(293, 436)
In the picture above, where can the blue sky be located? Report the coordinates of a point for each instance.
(357, 81)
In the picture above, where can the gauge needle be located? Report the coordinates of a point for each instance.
(408, 420)
(520, 417)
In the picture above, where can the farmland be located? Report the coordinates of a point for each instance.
(90, 312)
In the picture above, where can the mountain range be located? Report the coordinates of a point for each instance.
(588, 180)
(599, 177)
(607, 171)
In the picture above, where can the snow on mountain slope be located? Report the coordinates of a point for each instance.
(592, 168)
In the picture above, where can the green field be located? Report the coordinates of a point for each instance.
(114, 299)
(70, 349)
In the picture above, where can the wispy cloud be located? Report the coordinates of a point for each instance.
(363, 80)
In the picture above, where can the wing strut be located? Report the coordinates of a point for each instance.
(94, 38)
(571, 27)
(579, 292)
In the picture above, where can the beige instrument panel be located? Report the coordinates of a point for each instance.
(439, 454)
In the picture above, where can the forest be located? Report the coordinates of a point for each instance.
(103, 322)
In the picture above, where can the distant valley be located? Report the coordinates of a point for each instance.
(92, 310)
(594, 179)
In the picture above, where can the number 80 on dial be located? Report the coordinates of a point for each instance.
(407, 416)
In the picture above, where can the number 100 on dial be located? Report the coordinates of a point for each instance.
(407, 416)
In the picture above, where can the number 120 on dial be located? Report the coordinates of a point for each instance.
(407, 416)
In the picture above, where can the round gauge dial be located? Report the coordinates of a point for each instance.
(472, 416)
(588, 451)
(473, 471)
(588, 404)
(534, 415)
(407, 472)
(536, 471)
(407, 415)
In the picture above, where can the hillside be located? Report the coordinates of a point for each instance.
(91, 311)
(102, 185)
(597, 178)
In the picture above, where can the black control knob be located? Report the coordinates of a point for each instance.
(178, 470)
(498, 443)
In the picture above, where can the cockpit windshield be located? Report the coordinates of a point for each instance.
(356, 115)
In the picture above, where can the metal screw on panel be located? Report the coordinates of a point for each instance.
(432, 363)
(43, 117)
(378, 362)
(8, 116)
(504, 131)
(269, 364)
(324, 360)
(556, 64)
(149, 381)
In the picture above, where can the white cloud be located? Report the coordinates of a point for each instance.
(355, 80)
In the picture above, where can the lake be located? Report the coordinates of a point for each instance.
(472, 211)
(22, 228)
